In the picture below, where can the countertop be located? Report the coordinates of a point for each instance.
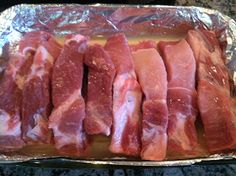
(205, 170)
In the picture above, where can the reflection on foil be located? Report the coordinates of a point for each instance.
(102, 20)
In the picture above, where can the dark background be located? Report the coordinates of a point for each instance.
(5, 3)
(227, 7)
(167, 2)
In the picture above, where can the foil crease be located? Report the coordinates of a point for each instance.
(101, 19)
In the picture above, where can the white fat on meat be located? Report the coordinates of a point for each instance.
(14, 66)
(99, 122)
(54, 120)
(38, 66)
(5, 118)
(78, 38)
(179, 133)
(64, 106)
(118, 109)
(37, 130)
(124, 107)
(28, 49)
(67, 139)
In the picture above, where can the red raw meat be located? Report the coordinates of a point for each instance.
(99, 94)
(182, 97)
(127, 97)
(176, 60)
(68, 114)
(214, 99)
(152, 77)
(36, 103)
(11, 90)
(144, 45)
(10, 103)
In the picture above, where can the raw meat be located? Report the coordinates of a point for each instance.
(126, 99)
(36, 103)
(11, 91)
(68, 114)
(213, 91)
(182, 97)
(152, 77)
(144, 45)
(10, 102)
(99, 94)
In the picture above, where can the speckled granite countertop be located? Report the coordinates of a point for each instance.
(209, 170)
(227, 7)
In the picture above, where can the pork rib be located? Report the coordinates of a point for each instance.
(182, 97)
(126, 98)
(11, 90)
(68, 114)
(213, 91)
(99, 95)
(36, 103)
(10, 103)
(152, 77)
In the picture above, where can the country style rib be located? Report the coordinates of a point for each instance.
(213, 89)
(101, 73)
(68, 114)
(11, 90)
(152, 77)
(127, 97)
(36, 102)
(181, 97)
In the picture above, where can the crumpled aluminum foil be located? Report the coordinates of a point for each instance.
(99, 19)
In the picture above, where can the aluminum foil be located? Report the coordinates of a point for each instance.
(102, 20)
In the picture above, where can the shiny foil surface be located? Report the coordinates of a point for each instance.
(102, 20)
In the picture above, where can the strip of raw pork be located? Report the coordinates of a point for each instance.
(11, 90)
(214, 99)
(68, 114)
(10, 103)
(152, 77)
(127, 97)
(36, 103)
(181, 97)
(99, 94)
